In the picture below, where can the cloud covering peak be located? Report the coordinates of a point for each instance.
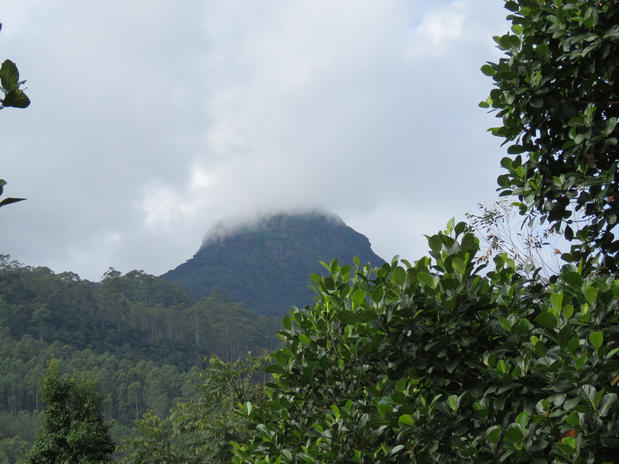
(148, 126)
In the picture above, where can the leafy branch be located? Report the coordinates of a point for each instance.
(14, 97)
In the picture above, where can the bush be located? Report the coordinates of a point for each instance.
(435, 362)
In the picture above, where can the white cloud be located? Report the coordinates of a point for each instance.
(150, 122)
(437, 31)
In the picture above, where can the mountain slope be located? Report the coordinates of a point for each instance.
(267, 264)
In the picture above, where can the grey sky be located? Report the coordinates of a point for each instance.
(151, 120)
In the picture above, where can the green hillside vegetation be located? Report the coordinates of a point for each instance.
(267, 264)
(199, 430)
(141, 338)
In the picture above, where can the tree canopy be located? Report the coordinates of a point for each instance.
(556, 94)
(72, 428)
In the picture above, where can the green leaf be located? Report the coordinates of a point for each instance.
(458, 266)
(333, 266)
(377, 294)
(612, 33)
(512, 6)
(542, 49)
(573, 279)
(610, 126)
(546, 320)
(488, 70)
(436, 244)
(571, 404)
(607, 401)
(405, 419)
(591, 294)
(480, 410)
(454, 402)
(565, 335)
(398, 276)
(358, 297)
(573, 419)
(348, 406)
(9, 76)
(516, 149)
(425, 279)
(568, 445)
(504, 180)
(304, 339)
(8, 201)
(287, 322)
(501, 367)
(540, 349)
(568, 312)
(523, 419)
(556, 300)
(505, 324)
(612, 353)
(506, 162)
(450, 224)
(16, 99)
(514, 435)
(274, 369)
(494, 434)
(596, 339)
(384, 409)
(588, 393)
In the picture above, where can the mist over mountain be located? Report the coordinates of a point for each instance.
(266, 262)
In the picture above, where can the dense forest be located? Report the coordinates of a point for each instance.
(142, 338)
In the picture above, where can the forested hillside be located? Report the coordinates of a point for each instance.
(142, 338)
(267, 264)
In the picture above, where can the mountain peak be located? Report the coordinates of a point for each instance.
(266, 262)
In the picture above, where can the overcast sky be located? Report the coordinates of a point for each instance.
(150, 120)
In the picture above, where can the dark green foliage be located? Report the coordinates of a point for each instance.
(17, 431)
(556, 92)
(131, 388)
(139, 336)
(72, 428)
(199, 430)
(14, 96)
(437, 363)
(136, 316)
(12, 449)
(266, 265)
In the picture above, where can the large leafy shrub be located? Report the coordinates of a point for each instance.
(435, 362)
